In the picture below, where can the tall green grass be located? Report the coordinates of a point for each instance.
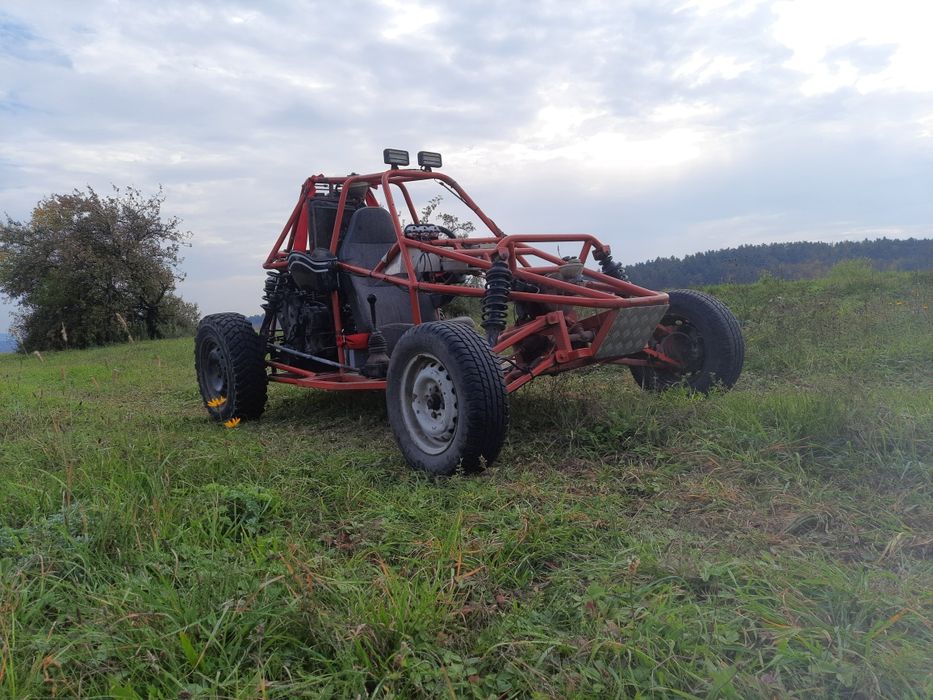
(774, 541)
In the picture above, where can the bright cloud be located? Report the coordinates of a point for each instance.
(824, 35)
(663, 126)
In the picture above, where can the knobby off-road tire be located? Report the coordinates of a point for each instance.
(706, 337)
(446, 399)
(228, 358)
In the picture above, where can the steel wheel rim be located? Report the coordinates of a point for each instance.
(430, 409)
(214, 369)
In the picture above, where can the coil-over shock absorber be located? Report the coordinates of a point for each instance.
(609, 266)
(496, 299)
(272, 293)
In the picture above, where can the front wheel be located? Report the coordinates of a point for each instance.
(701, 333)
(228, 359)
(446, 399)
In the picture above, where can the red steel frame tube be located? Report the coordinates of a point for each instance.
(599, 290)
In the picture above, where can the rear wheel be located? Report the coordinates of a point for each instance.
(701, 333)
(228, 359)
(446, 399)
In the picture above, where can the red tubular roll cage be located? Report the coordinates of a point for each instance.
(604, 294)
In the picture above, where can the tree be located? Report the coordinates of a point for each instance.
(799, 260)
(90, 270)
(461, 229)
(459, 306)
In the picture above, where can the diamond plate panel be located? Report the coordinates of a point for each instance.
(631, 331)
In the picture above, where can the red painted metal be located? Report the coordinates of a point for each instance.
(559, 329)
(356, 341)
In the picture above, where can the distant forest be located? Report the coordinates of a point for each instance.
(799, 260)
(748, 263)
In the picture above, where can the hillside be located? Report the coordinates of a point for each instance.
(774, 541)
(800, 260)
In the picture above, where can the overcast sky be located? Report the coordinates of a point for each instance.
(662, 127)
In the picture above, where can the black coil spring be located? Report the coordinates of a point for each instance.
(612, 268)
(271, 292)
(496, 300)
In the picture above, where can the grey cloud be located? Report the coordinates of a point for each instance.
(231, 105)
(868, 58)
(18, 40)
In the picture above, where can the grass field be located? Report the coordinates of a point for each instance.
(775, 541)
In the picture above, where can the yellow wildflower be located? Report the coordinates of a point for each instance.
(219, 401)
(233, 422)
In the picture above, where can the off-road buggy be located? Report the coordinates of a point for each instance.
(355, 300)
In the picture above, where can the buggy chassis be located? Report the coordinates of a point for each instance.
(354, 300)
(574, 342)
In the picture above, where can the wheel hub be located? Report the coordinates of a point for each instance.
(215, 370)
(684, 345)
(431, 409)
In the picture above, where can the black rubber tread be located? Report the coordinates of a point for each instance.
(244, 354)
(724, 346)
(483, 421)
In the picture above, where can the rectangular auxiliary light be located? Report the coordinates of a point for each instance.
(395, 156)
(427, 159)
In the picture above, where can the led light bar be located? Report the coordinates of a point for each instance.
(395, 157)
(427, 159)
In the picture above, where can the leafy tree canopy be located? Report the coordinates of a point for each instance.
(452, 223)
(89, 270)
